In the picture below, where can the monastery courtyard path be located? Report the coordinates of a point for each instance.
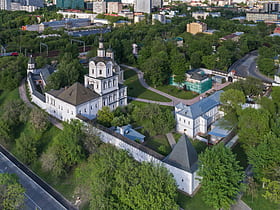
(175, 100)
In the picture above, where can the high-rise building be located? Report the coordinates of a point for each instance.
(70, 4)
(147, 5)
(5, 4)
(27, 5)
(99, 6)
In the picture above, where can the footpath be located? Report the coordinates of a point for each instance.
(174, 100)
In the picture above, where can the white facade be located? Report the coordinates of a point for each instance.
(196, 118)
(102, 87)
(191, 127)
(185, 180)
(78, 15)
(65, 111)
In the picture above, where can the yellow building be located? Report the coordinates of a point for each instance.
(196, 27)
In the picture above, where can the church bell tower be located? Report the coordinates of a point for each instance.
(31, 66)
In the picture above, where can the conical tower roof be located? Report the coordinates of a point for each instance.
(183, 155)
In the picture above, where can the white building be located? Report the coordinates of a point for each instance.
(102, 87)
(158, 17)
(197, 117)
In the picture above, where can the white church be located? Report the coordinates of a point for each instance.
(102, 87)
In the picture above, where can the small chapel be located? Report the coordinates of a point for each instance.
(103, 86)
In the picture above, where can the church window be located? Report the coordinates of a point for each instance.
(182, 180)
(80, 111)
(114, 82)
(96, 105)
(108, 70)
(72, 112)
(104, 103)
(85, 110)
(184, 121)
(91, 107)
(100, 71)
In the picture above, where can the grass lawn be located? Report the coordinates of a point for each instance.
(259, 202)
(174, 91)
(240, 155)
(135, 89)
(194, 203)
(159, 143)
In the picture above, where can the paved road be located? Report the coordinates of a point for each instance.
(171, 140)
(24, 98)
(175, 100)
(36, 196)
(246, 67)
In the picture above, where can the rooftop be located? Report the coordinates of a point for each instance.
(201, 107)
(183, 155)
(76, 94)
(130, 133)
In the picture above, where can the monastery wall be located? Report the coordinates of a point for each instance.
(36, 97)
(186, 181)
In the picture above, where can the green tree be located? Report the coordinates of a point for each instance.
(209, 61)
(15, 112)
(69, 72)
(272, 190)
(276, 97)
(232, 100)
(178, 67)
(113, 180)
(221, 176)
(5, 135)
(11, 192)
(253, 125)
(105, 116)
(266, 66)
(265, 158)
(39, 119)
(91, 141)
(26, 148)
(66, 150)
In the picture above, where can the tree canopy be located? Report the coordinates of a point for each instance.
(221, 176)
(113, 180)
(11, 192)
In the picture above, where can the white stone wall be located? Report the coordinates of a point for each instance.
(36, 100)
(185, 181)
